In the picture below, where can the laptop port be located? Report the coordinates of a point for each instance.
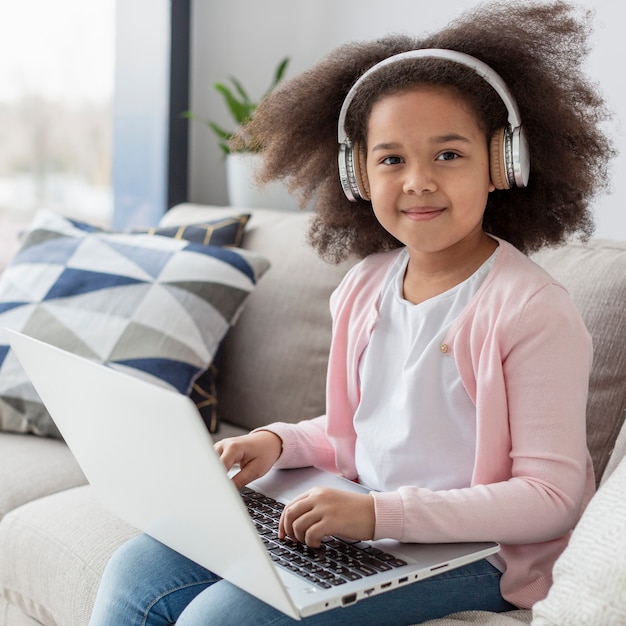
(434, 569)
(349, 599)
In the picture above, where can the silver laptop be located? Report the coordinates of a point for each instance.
(150, 459)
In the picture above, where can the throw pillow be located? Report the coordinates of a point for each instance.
(227, 231)
(156, 307)
(590, 576)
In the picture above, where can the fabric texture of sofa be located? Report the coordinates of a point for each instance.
(55, 537)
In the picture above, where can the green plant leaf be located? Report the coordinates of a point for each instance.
(278, 75)
(219, 131)
(239, 110)
(239, 105)
(245, 98)
(280, 71)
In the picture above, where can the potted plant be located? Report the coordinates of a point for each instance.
(240, 165)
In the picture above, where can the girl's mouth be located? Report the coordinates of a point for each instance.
(422, 214)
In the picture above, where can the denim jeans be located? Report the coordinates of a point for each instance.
(148, 584)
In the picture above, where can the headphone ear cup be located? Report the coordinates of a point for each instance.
(360, 171)
(497, 160)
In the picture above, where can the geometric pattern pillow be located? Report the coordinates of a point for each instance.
(227, 231)
(153, 306)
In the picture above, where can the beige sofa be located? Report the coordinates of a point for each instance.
(55, 537)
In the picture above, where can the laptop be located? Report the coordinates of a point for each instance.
(150, 459)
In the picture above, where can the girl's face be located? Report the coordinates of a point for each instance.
(428, 170)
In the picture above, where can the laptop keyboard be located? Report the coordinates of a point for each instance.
(336, 562)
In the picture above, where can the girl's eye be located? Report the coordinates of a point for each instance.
(448, 156)
(391, 160)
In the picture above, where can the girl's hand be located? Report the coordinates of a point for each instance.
(254, 453)
(320, 512)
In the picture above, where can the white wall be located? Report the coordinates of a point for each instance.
(247, 38)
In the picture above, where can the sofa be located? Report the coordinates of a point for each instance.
(56, 538)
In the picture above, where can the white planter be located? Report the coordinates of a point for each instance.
(243, 192)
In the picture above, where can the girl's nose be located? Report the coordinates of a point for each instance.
(419, 179)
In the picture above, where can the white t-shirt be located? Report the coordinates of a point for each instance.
(415, 423)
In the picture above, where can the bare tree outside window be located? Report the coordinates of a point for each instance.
(56, 91)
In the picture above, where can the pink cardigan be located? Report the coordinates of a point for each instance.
(524, 355)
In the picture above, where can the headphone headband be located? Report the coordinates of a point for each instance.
(482, 69)
(518, 166)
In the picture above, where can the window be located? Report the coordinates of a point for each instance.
(56, 92)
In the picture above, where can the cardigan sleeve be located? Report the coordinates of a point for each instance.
(533, 473)
(304, 444)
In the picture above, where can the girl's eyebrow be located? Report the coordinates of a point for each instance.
(386, 146)
(450, 137)
(434, 140)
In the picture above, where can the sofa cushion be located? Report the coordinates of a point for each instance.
(10, 614)
(156, 307)
(590, 576)
(483, 618)
(52, 562)
(595, 275)
(274, 360)
(32, 467)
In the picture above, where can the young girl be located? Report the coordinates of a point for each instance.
(458, 369)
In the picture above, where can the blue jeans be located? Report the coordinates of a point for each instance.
(148, 584)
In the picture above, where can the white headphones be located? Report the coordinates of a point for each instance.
(508, 148)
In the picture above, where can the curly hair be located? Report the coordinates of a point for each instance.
(537, 48)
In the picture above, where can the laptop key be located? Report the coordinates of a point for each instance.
(379, 566)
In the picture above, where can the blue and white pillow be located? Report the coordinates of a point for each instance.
(154, 306)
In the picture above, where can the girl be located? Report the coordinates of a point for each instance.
(458, 370)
